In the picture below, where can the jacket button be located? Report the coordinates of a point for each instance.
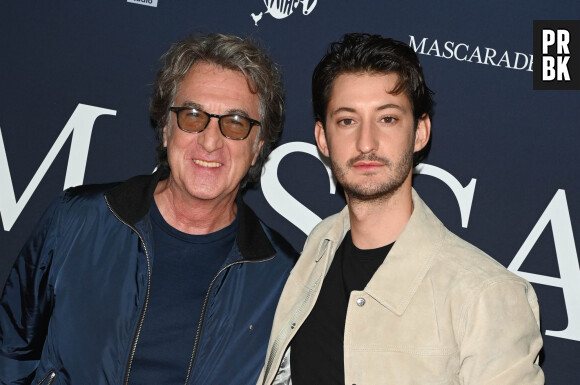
(360, 301)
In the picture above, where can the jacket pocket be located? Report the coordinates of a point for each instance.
(48, 378)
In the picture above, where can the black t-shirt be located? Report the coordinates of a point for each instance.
(317, 353)
(182, 270)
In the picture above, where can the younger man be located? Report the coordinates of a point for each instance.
(383, 293)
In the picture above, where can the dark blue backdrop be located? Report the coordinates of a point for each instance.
(82, 72)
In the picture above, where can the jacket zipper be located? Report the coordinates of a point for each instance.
(276, 345)
(204, 307)
(144, 309)
(281, 337)
(50, 376)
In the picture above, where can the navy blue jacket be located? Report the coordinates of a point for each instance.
(76, 298)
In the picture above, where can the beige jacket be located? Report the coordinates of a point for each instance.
(437, 311)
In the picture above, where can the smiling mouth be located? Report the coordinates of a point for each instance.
(203, 163)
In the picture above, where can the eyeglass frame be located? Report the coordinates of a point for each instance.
(177, 110)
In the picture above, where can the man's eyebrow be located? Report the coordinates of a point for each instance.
(390, 105)
(231, 111)
(342, 109)
(190, 104)
(380, 108)
(237, 111)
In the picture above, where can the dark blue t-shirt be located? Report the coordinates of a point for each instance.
(183, 268)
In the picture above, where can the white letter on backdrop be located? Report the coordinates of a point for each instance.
(557, 213)
(80, 125)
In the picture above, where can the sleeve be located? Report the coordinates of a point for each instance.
(502, 337)
(26, 304)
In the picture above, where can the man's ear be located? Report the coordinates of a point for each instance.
(257, 153)
(422, 133)
(320, 135)
(165, 136)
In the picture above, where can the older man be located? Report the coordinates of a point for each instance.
(383, 293)
(166, 278)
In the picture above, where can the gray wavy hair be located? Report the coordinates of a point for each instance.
(231, 52)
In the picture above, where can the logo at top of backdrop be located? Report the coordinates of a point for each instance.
(150, 3)
(280, 9)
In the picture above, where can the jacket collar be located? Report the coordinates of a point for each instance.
(252, 239)
(397, 279)
(131, 200)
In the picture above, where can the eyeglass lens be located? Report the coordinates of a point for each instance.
(233, 126)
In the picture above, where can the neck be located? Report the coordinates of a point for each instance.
(379, 222)
(194, 216)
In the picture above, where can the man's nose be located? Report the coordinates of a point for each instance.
(211, 138)
(367, 140)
